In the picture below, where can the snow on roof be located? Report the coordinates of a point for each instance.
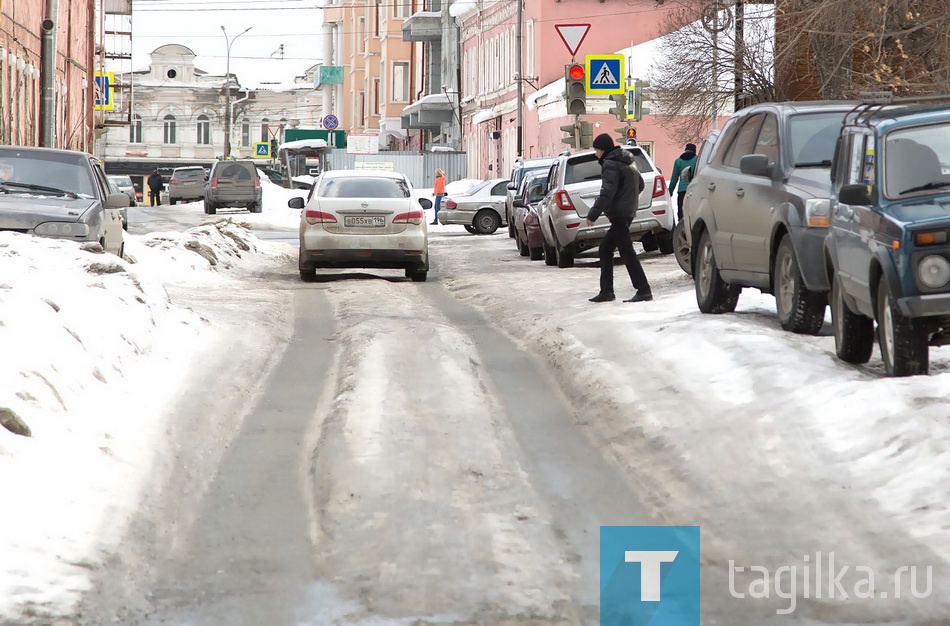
(304, 144)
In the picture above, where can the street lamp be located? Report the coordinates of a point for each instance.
(227, 87)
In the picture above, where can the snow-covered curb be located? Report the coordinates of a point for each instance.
(93, 348)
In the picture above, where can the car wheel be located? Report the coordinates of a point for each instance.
(511, 225)
(564, 257)
(417, 275)
(210, 209)
(550, 254)
(536, 254)
(854, 333)
(664, 241)
(171, 201)
(522, 246)
(649, 243)
(486, 222)
(903, 340)
(471, 229)
(122, 250)
(308, 275)
(799, 309)
(681, 247)
(713, 294)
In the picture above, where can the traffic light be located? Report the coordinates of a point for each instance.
(571, 139)
(587, 135)
(273, 148)
(575, 91)
(619, 110)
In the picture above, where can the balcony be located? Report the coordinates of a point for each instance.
(423, 26)
(429, 112)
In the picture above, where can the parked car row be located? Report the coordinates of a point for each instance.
(551, 199)
(845, 202)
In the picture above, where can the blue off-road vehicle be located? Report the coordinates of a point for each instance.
(887, 251)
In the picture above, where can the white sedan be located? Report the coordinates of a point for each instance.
(363, 219)
(479, 209)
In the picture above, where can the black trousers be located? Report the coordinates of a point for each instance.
(155, 198)
(679, 205)
(618, 238)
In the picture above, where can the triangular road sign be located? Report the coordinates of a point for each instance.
(572, 35)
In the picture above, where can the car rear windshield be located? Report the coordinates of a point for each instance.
(587, 167)
(364, 187)
(813, 137)
(236, 171)
(188, 174)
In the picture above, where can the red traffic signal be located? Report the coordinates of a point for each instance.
(576, 72)
(631, 133)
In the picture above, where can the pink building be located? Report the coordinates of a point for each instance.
(489, 88)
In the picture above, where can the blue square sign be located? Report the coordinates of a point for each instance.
(649, 575)
(605, 73)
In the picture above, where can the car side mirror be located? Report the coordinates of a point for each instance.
(117, 201)
(296, 203)
(857, 195)
(511, 187)
(426, 203)
(518, 203)
(756, 165)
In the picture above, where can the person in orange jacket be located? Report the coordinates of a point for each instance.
(439, 191)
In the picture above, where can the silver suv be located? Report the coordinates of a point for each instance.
(233, 184)
(186, 183)
(574, 184)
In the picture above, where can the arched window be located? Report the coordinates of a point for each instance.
(171, 129)
(204, 130)
(135, 130)
(246, 132)
(265, 136)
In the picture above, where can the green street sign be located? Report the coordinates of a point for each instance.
(328, 75)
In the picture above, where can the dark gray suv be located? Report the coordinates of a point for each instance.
(233, 184)
(750, 212)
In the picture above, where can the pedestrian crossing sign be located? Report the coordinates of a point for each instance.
(262, 150)
(605, 73)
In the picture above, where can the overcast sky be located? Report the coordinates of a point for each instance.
(255, 57)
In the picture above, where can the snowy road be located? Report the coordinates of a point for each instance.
(367, 450)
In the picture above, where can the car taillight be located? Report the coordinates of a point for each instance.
(214, 184)
(257, 183)
(174, 180)
(319, 217)
(563, 200)
(659, 187)
(451, 204)
(412, 217)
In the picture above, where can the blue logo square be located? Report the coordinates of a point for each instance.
(649, 575)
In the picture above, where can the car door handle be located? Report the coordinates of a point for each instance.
(740, 191)
(712, 187)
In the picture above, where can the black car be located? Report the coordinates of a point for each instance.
(749, 210)
(887, 251)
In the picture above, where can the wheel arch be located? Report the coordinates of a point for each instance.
(881, 265)
(779, 231)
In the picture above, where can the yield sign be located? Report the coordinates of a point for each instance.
(572, 35)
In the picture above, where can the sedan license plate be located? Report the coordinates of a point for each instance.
(365, 221)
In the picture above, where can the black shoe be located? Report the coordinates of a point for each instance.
(433, 223)
(641, 296)
(603, 297)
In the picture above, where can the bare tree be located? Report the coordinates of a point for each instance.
(795, 50)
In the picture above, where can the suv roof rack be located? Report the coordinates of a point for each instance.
(873, 102)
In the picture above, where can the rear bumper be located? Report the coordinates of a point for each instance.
(456, 217)
(233, 200)
(925, 306)
(374, 259)
(585, 238)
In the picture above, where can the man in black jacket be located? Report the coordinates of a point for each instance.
(155, 186)
(621, 184)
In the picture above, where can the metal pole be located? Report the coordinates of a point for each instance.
(740, 55)
(715, 67)
(519, 69)
(227, 88)
(48, 76)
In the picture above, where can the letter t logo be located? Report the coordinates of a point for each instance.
(649, 570)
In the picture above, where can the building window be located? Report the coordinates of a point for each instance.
(378, 17)
(265, 136)
(401, 81)
(362, 104)
(245, 133)
(204, 130)
(402, 8)
(361, 34)
(171, 129)
(135, 130)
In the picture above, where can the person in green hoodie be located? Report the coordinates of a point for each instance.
(685, 160)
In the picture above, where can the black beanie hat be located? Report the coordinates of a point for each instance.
(603, 142)
(691, 147)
